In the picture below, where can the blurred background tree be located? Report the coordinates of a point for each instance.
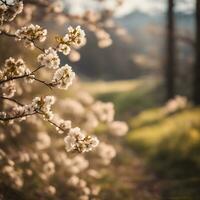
(196, 95)
(170, 52)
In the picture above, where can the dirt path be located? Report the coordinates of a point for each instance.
(130, 178)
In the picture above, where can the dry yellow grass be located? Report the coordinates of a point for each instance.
(104, 87)
(100, 87)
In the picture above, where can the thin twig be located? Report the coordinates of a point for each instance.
(38, 68)
(11, 99)
(13, 78)
(17, 116)
(43, 82)
(15, 36)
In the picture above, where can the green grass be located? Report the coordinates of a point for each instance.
(170, 145)
(151, 127)
(130, 96)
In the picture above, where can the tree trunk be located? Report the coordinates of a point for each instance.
(196, 92)
(170, 52)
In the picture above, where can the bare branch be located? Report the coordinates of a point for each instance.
(11, 99)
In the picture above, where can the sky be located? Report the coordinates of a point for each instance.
(152, 6)
(147, 6)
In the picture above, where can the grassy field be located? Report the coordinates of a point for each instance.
(170, 146)
(167, 146)
(129, 96)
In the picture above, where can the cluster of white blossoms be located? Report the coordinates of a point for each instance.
(10, 171)
(62, 125)
(74, 38)
(43, 140)
(176, 104)
(13, 68)
(74, 56)
(85, 191)
(9, 11)
(43, 104)
(106, 152)
(118, 128)
(73, 107)
(30, 34)
(8, 89)
(51, 190)
(74, 165)
(56, 6)
(39, 105)
(90, 113)
(78, 141)
(63, 77)
(104, 111)
(49, 58)
(36, 156)
(49, 169)
(104, 39)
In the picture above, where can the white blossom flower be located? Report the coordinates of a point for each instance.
(85, 98)
(30, 34)
(61, 125)
(104, 43)
(94, 173)
(104, 38)
(73, 107)
(106, 152)
(9, 12)
(15, 68)
(64, 48)
(63, 77)
(76, 140)
(76, 164)
(49, 168)
(91, 121)
(50, 190)
(44, 105)
(104, 111)
(64, 125)
(49, 59)
(176, 104)
(13, 174)
(73, 180)
(43, 140)
(24, 157)
(118, 128)
(74, 56)
(95, 189)
(75, 37)
(56, 6)
(8, 89)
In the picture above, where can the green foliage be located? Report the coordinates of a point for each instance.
(170, 146)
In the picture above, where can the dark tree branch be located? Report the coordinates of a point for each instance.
(11, 99)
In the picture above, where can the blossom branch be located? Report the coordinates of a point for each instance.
(49, 85)
(13, 78)
(36, 111)
(15, 36)
(4, 2)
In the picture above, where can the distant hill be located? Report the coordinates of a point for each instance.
(125, 59)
